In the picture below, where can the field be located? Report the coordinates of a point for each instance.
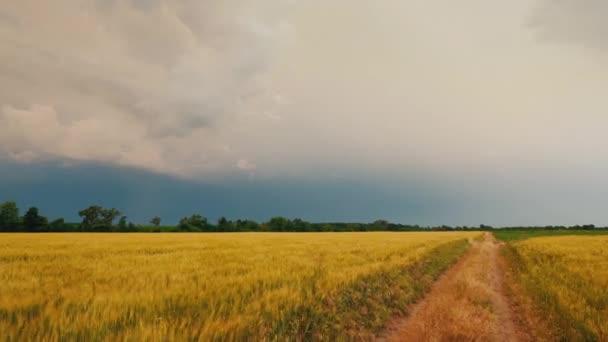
(215, 286)
(566, 277)
(511, 235)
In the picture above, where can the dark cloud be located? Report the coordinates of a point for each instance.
(143, 194)
(517, 199)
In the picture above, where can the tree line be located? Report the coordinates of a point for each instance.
(96, 218)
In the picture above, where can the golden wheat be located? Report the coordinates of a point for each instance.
(568, 277)
(206, 286)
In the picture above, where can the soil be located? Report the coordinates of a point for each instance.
(468, 303)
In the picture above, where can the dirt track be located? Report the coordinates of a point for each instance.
(468, 303)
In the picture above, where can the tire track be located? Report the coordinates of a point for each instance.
(469, 303)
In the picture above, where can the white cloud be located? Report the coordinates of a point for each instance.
(246, 165)
(152, 84)
(211, 87)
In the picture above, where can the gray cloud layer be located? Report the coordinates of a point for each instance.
(200, 88)
(141, 83)
(574, 21)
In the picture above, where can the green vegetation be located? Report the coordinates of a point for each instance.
(96, 218)
(509, 235)
(155, 221)
(9, 216)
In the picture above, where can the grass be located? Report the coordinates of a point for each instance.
(567, 279)
(510, 235)
(215, 286)
(462, 306)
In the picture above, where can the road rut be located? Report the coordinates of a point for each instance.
(468, 303)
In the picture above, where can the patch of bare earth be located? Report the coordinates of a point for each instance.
(468, 303)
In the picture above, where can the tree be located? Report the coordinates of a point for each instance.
(278, 224)
(90, 216)
(247, 226)
(58, 225)
(300, 225)
(108, 216)
(96, 217)
(223, 225)
(193, 223)
(9, 216)
(33, 222)
(155, 221)
(122, 224)
(222, 221)
(380, 225)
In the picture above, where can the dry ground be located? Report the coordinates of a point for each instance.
(469, 303)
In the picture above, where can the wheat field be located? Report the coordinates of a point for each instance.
(214, 286)
(567, 276)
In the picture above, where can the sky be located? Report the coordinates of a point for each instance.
(417, 111)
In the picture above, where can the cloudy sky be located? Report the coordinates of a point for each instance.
(418, 111)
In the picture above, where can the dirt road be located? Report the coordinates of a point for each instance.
(469, 303)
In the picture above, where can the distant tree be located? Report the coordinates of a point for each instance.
(355, 227)
(183, 224)
(222, 221)
(194, 223)
(300, 225)
(109, 215)
(90, 216)
(122, 224)
(198, 221)
(33, 222)
(326, 228)
(9, 216)
(96, 217)
(57, 225)
(155, 221)
(224, 225)
(246, 226)
(380, 225)
(279, 224)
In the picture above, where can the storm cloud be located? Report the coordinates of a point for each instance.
(500, 106)
(137, 83)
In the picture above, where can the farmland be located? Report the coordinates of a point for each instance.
(215, 286)
(305, 286)
(566, 277)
